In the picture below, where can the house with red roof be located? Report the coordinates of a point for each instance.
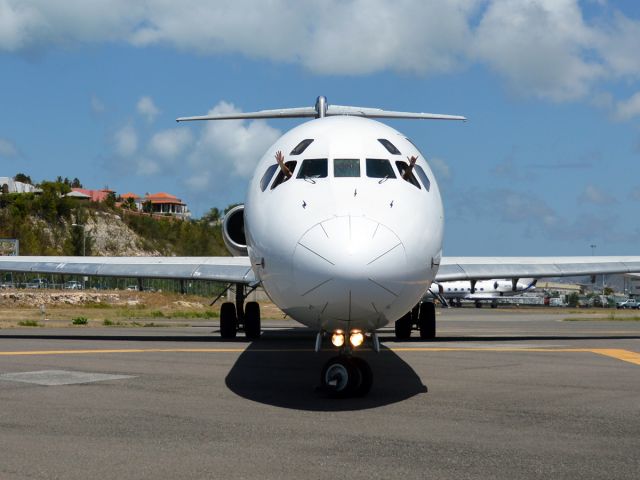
(166, 204)
(94, 195)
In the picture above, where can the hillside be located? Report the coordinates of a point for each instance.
(44, 224)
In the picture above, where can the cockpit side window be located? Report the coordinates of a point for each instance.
(281, 177)
(379, 168)
(312, 168)
(410, 177)
(268, 175)
(423, 177)
(391, 148)
(346, 167)
(302, 146)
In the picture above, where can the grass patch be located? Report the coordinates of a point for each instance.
(110, 323)
(80, 321)
(28, 323)
(196, 314)
(156, 314)
(99, 305)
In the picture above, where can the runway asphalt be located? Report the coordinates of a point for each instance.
(501, 394)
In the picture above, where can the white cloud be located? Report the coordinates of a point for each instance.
(169, 144)
(627, 109)
(145, 166)
(126, 141)
(541, 220)
(595, 195)
(97, 106)
(440, 167)
(199, 182)
(540, 46)
(207, 157)
(147, 109)
(232, 145)
(544, 48)
(8, 148)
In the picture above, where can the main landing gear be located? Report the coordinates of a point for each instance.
(240, 316)
(345, 375)
(422, 318)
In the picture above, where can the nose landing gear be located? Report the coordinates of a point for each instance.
(345, 376)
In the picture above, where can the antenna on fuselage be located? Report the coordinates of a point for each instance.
(320, 110)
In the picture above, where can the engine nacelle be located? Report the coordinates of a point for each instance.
(233, 231)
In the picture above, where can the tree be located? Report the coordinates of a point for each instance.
(75, 183)
(229, 207)
(79, 242)
(212, 216)
(5, 188)
(572, 299)
(129, 204)
(21, 177)
(147, 206)
(608, 291)
(110, 200)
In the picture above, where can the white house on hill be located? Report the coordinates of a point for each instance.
(15, 187)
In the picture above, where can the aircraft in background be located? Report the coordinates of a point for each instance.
(480, 291)
(342, 226)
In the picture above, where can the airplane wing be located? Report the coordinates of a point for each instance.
(481, 268)
(221, 269)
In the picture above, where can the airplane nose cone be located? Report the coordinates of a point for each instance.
(349, 269)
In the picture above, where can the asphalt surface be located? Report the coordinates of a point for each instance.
(500, 394)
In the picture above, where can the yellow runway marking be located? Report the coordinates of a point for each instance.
(124, 350)
(619, 354)
(624, 355)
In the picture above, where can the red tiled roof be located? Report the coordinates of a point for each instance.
(162, 197)
(96, 195)
(130, 195)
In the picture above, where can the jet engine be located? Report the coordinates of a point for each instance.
(233, 231)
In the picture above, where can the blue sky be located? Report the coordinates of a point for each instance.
(547, 165)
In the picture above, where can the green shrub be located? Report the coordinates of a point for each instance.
(80, 321)
(28, 323)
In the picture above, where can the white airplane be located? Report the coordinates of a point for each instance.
(482, 290)
(342, 226)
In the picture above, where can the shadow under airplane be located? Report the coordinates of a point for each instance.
(287, 374)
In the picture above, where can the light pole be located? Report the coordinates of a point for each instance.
(84, 244)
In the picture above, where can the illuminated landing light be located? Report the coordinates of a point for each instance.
(337, 338)
(356, 338)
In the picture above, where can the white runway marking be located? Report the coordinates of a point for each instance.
(60, 377)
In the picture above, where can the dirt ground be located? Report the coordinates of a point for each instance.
(57, 308)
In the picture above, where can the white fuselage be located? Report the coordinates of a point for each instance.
(344, 252)
(482, 289)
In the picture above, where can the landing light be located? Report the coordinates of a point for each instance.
(337, 338)
(356, 338)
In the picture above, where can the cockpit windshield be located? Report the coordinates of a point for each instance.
(282, 177)
(379, 168)
(406, 173)
(266, 178)
(302, 146)
(346, 167)
(423, 177)
(312, 168)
